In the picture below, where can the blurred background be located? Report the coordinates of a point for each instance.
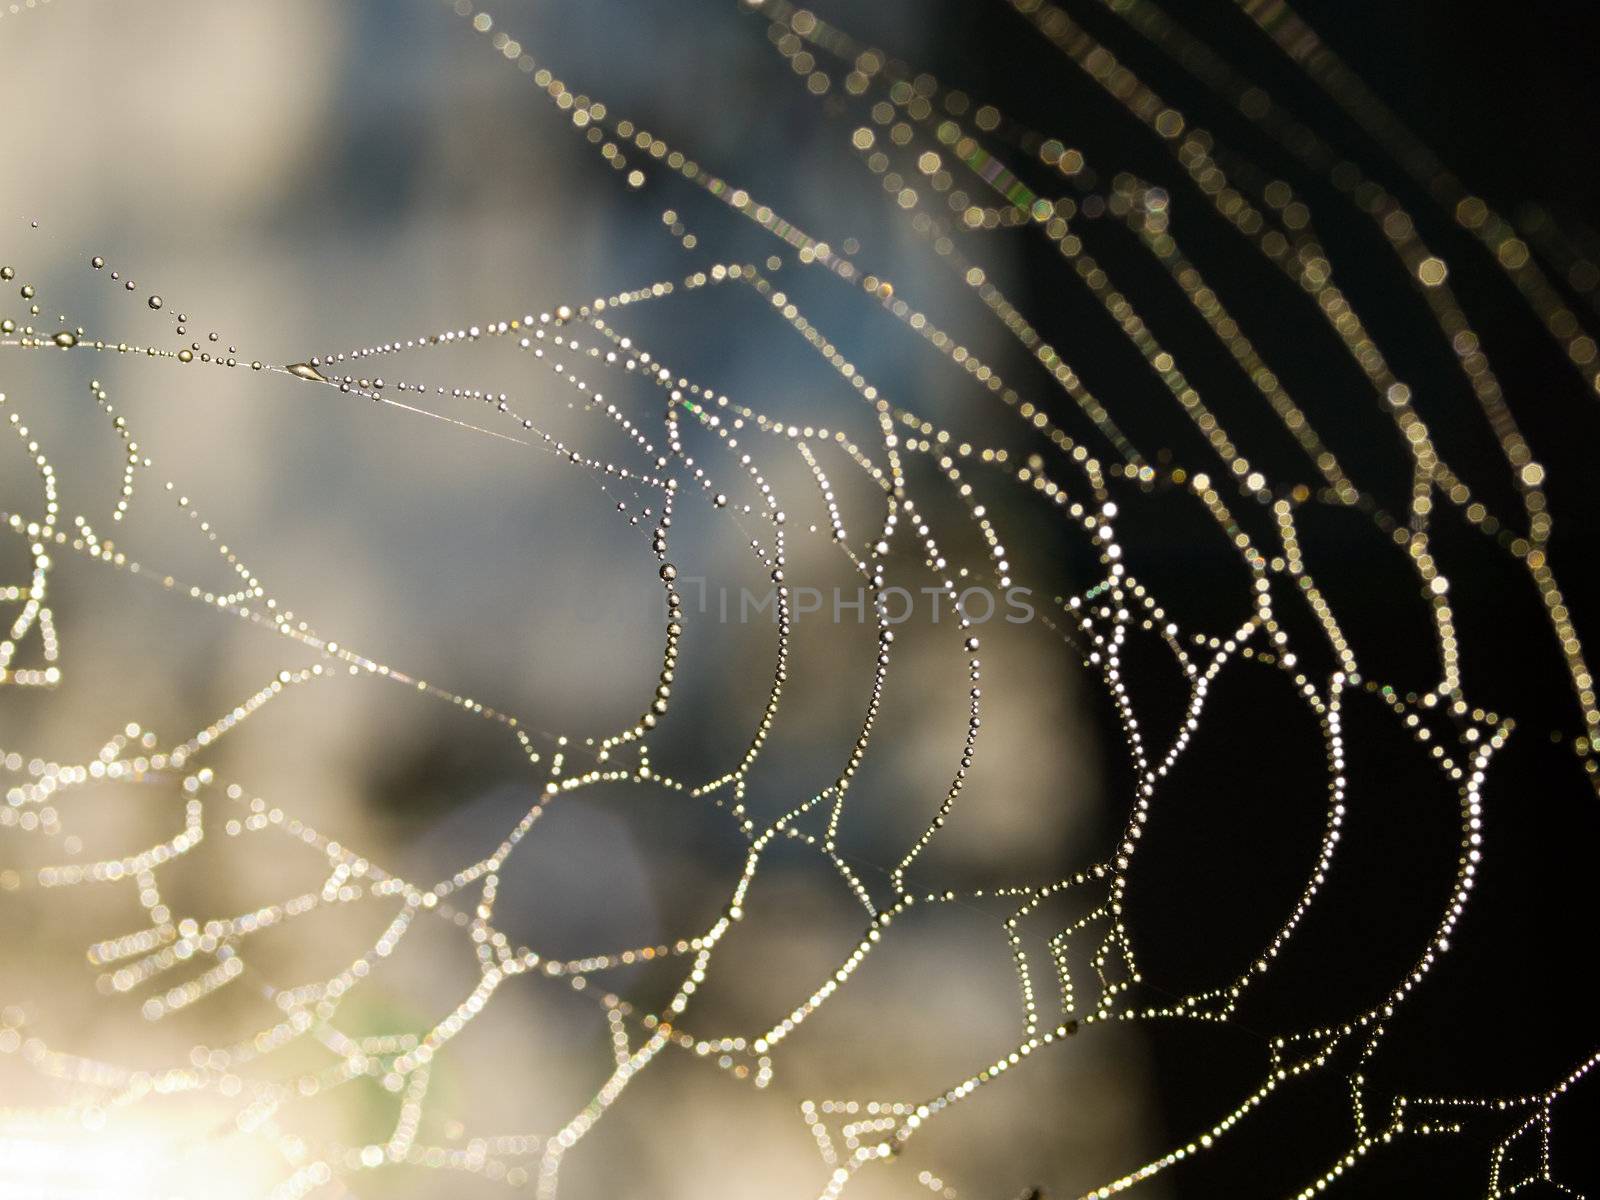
(304, 179)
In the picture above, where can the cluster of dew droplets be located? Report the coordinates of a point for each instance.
(919, 138)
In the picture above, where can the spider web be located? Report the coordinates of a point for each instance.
(1252, 606)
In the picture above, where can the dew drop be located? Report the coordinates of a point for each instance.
(66, 339)
(306, 371)
(155, 301)
(97, 262)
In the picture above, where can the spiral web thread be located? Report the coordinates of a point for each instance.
(955, 170)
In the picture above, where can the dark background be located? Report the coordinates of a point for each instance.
(1504, 95)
